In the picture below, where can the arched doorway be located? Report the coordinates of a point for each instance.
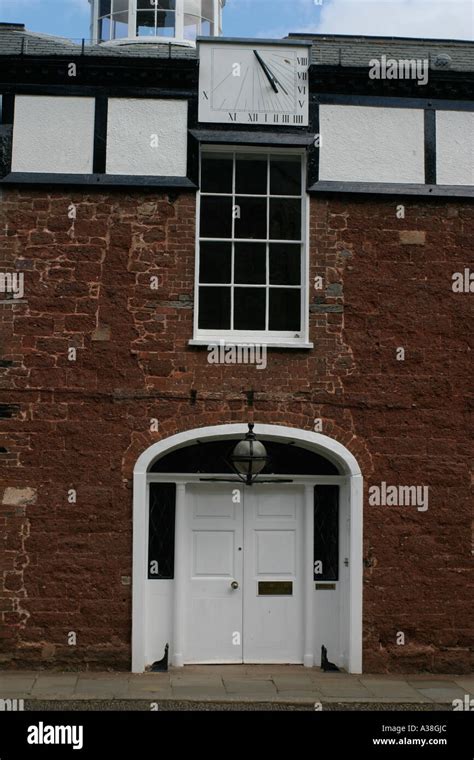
(227, 573)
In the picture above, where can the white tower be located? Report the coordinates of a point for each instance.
(178, 21)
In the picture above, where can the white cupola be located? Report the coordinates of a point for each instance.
(178, 21)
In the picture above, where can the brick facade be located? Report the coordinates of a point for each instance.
(82, 424)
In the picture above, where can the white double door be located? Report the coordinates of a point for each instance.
(244, 573)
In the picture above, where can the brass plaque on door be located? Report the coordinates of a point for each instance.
(275, 588)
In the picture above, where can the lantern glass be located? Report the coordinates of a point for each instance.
(249, 457)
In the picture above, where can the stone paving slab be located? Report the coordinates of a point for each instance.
(144, 687)
(15, 684)
(242, 686)
(50, 687)
(195, 692)
(343, 690)
(194, 680)
(152, 695)
(289, 683)
(304, 696)
(398, 690)
(443, 694)
(466, 683)
(87, 687)
(234, 683)
(425, 676)
(61, 679)
(22, 675)
(434, 683)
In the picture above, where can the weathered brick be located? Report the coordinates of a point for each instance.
(412, 237)
(83, 425)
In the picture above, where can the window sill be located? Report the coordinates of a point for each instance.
(251, 342)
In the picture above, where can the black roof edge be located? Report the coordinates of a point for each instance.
(309, 35)
(63, 56)
(12, 25)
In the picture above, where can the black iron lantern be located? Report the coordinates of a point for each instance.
(249, 457)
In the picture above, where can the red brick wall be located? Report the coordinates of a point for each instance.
(81, 425)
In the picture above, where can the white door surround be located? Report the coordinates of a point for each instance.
(350, 488)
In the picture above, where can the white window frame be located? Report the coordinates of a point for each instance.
(110, 16)
(156, 37)
(275, 339)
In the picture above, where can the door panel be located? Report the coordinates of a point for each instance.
(213, 554)
(214, 609)
(273, 578)
(275, 552)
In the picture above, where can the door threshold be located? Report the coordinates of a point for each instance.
(273, 662)
(214, 662)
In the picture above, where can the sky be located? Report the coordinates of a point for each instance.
(445, 19)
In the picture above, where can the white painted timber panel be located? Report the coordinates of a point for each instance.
(53, 135)
(455, 147)
(159, 619)
(147, 137)
(362, 144)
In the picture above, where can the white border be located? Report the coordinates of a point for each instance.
(320, 444)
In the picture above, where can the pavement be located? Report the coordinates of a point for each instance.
(236, 684)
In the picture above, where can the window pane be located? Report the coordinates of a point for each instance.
(214, 308)
(216, 173)
(104, 8)
(251, 175)
(212, 458)
(285, 264)
(326, 532)
(161, 531)
(285, 219)
(249, 308)
(146, 5)
(207, 28)
(191, 27)
(285, 176)
(120, 10)
(215, 262)
(208, 9)
(252, 223)
(285, 309)
(216, 217)
(104, 29)
(119, 29)
(193, 7)
(146, 23)
(165, 24)
(250, 263)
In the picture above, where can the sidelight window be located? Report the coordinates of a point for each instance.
(161, 530)
(326, 533)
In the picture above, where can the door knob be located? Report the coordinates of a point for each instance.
(234, 585)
